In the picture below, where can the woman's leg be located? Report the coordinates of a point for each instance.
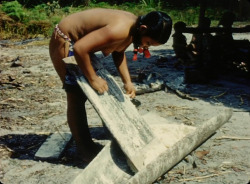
(76, 99)
(57, 53)
(77, 120)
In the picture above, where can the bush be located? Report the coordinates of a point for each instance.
(38, 13)
(51, 8)
(39, 27)
(15, 10)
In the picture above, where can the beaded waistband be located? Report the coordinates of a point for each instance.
(60, 33)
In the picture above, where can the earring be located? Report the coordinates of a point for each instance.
(146, 53)
(135, 54)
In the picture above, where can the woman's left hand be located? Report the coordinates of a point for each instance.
(130, 89)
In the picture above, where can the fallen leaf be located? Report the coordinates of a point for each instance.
(201, 154)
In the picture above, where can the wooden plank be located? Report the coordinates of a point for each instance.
(119, 115)
(109, 166)
(53, 147)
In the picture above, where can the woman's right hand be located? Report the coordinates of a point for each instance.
(99, 84)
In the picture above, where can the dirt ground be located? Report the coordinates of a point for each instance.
(33, 106)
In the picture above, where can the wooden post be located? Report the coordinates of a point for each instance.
(203, 5)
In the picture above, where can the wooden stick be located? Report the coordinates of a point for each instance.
(216, 96)
(184, 96)
(233, 138)
(204, 177)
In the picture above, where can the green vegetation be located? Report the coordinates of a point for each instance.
(21, 19)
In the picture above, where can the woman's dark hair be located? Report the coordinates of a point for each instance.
(159, 27)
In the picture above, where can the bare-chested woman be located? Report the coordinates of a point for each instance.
(111, 32)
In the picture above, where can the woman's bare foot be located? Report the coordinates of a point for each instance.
(88, 152)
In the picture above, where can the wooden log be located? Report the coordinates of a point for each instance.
(110, 167)
(217, 30)
(119, 115)
(178, 151)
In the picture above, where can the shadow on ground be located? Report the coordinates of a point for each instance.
(25, 146)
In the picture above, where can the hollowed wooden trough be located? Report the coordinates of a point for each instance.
(143, 148)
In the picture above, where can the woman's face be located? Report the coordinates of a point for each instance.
(147, 42)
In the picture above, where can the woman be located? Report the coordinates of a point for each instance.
(111, 32)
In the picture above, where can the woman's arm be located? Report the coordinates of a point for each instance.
(121, 65)
(90, 43)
